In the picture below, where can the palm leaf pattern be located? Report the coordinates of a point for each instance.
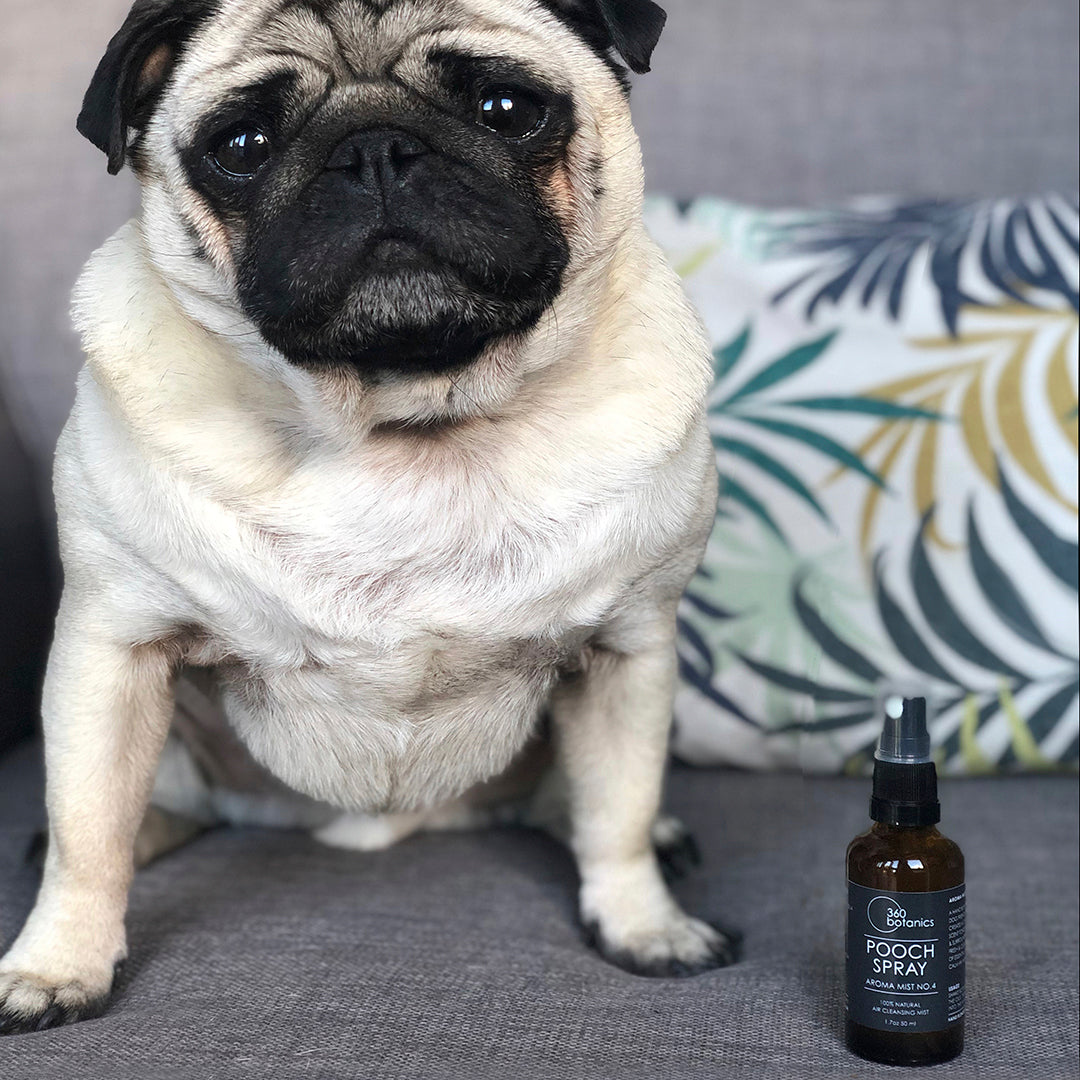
(738, 412)
(871, 252)
(798, 648)
(981, 389)
(933, 646)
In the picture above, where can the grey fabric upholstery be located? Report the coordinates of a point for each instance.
(260, 954)
(815, 100)
(26, 588)
(57, 204)
(811, 100)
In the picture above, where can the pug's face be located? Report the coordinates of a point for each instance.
(385, 185)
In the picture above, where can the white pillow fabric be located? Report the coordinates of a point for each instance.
(895, 417)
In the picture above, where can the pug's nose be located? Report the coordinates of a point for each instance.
(377, 156)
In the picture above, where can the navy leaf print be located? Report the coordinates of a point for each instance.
(940, 613)
(790, 681)
(877, 248)
(902, 634)
(999, 590)
(1045, 718)
(703, 681)
(847, 656)
(826, 723)
(1058, 556)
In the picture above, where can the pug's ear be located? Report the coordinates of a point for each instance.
(635, 27)
(132, 73)
(630, 27)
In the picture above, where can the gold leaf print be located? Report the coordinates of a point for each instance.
(973, 423)
(873, 497)
(1059, 388)
(1013, 422)
(926, 464)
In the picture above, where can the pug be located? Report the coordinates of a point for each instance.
(392, 426)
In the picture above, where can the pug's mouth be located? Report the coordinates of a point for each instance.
(394, 254)
(406, 313)
(400, 305)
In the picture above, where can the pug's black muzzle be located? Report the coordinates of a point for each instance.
(400, 257)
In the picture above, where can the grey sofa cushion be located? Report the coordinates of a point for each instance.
(26, 588)
(258, 954)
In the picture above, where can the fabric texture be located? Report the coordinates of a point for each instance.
(833, 99)
(262, 954)
(895, 420)
(837, 98)
(26, 589)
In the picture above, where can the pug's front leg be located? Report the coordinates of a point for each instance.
(612, 726)
(107, 707)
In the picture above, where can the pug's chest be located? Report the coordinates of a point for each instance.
(407, 608)
(383, 675)
(459, 587)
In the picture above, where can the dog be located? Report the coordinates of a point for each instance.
(387, 467)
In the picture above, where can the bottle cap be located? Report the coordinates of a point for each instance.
(904, 737)
(905, 777)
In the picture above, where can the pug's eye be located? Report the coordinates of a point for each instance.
(242, 152)
(511, 113)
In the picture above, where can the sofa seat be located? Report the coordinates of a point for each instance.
(261, 954)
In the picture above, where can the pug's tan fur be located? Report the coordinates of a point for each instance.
(390, 580)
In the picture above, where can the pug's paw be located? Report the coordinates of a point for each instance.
(632, 920)
(30, 1002)
(679, 947)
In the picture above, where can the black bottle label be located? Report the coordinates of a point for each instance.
(905, 958)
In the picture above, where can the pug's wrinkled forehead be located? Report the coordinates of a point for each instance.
(362, 39)
(390, 184)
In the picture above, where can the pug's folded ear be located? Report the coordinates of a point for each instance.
(630, 27)
(132, 73)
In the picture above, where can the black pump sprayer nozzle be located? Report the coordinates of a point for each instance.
(904, 737)
(905, 779)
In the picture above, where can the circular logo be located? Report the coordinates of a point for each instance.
(885, 914)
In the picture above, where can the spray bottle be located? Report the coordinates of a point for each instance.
(906, 908)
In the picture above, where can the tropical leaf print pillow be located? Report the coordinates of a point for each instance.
(895, 422)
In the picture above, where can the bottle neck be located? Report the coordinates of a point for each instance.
(911, 832)
(905, 794)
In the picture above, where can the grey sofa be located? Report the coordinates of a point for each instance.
(260, 954)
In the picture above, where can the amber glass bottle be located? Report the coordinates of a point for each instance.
(906, 909)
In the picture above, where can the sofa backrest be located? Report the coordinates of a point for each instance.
(774, 101)
(803, 101)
